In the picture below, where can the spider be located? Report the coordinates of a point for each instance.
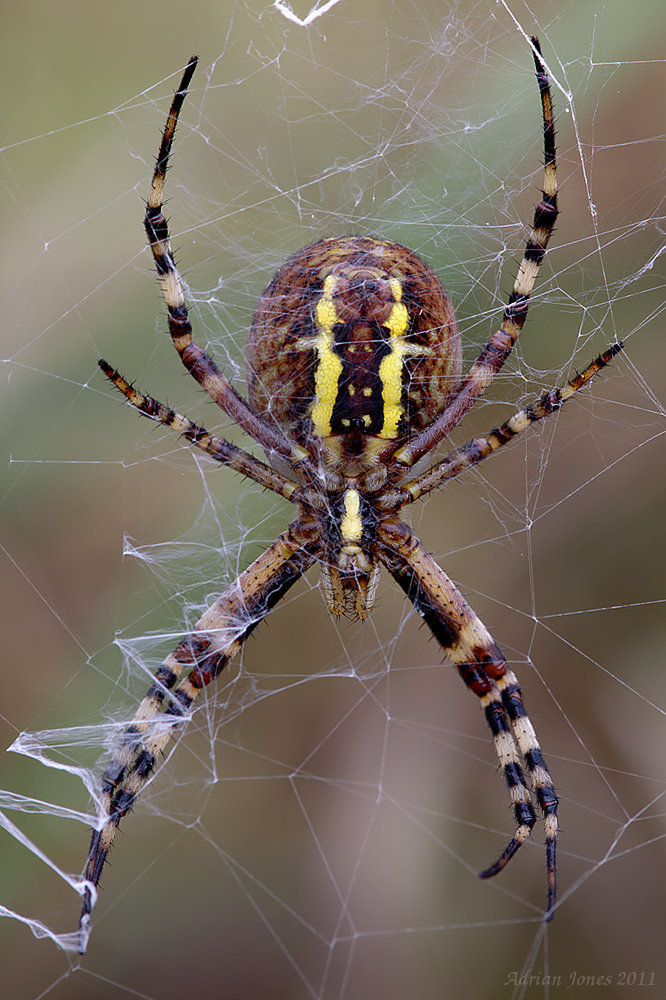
(354, 377)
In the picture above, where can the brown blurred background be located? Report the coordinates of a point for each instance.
(318, 831)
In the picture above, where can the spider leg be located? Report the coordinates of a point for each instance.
(502, 342)
(199, 364)
(222, 451)
(544, 790)
(475, 451)
(197, 660)
(481, 665)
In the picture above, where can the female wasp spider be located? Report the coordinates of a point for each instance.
(354, 376)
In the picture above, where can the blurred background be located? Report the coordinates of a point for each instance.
(318, 831)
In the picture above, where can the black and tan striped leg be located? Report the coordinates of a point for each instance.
(475, 451)
(199, 364)
(197, 660)
(542, 782)
(502, 342)
(222, 451)
(480, 663)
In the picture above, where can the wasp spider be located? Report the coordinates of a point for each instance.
(354, 376)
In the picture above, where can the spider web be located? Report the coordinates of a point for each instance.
(317, 830)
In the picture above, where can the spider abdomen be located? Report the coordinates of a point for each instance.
(354, 339)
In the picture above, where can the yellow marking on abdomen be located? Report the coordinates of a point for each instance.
(329, 365)
(390, 368)
(351, 525)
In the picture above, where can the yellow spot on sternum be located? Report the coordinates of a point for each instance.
(329, 365)
(351, 525)
(390, 368)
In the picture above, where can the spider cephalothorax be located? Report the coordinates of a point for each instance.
(354, 377)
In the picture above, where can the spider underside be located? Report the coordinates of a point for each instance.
(354, 376)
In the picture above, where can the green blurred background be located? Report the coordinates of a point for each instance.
(318, 831)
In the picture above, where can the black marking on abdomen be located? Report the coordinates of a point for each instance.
(359, 404)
